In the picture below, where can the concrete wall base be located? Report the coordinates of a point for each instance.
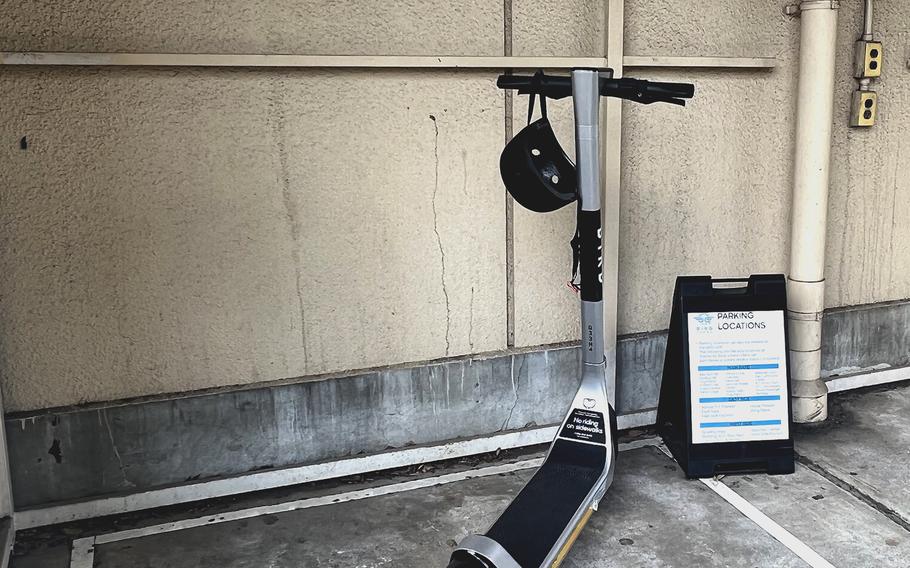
(133, 446)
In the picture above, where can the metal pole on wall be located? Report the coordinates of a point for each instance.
(611, 152)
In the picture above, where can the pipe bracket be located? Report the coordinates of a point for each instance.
(805, 316)
(795, 9)
(808, 389)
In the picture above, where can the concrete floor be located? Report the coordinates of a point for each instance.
(848, 500)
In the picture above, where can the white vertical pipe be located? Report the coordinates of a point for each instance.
(806, 283)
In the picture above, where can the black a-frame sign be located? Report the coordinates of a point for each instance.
(725, 395)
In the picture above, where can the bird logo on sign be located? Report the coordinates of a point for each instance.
(703, 322)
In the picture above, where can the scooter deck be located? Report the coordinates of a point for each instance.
(535, 521)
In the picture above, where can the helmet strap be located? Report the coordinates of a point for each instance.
(575, 243)
(535, 82)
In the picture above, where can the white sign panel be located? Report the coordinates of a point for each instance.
(738, 376)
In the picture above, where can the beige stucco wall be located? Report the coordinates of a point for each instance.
(177, 229)
(705, 188)
(335, 27)
(868, 233)
(180, 229)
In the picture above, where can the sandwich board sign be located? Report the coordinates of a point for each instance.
(725, 394)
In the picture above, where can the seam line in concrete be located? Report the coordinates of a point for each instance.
(869, 306)
(854, 491)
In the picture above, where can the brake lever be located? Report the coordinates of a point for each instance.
(551, 95)
(672, 101)
(641, 98)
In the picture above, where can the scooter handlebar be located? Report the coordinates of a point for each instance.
(636, 90)
(552, 87)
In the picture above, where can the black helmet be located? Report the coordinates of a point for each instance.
(535, 169)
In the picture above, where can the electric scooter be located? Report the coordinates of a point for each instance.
(540, 525)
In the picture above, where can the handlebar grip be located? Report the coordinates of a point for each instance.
(671, 90)
(513, 82)
(647, 92)
(550, 86)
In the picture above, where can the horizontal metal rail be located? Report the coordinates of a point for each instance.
(368, 61)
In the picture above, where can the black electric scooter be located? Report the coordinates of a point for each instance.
(540, 525)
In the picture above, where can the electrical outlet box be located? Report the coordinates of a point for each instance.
(867, 59)
(864, 108)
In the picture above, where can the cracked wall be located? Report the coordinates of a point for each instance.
(168, 230)
(171, 230)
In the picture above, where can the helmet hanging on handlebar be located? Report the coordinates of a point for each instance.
(535, 169)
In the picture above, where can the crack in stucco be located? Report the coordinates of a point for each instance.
(442, 254)
(516, 383)
(276, 116)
